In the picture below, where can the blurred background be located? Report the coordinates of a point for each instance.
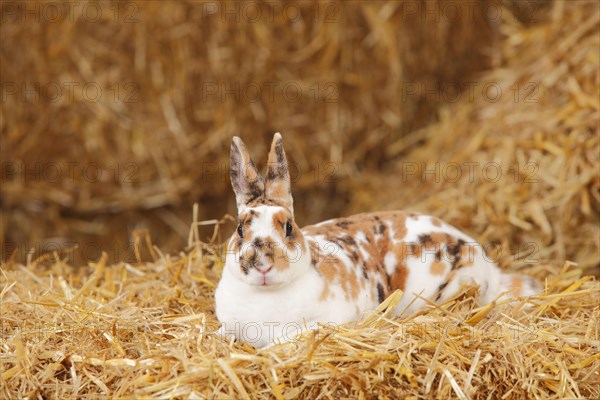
(118, 116)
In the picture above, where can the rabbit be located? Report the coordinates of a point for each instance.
(279, 280)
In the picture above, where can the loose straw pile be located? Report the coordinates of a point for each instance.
(146, 331)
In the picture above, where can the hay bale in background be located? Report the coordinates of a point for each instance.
(517, 160)
(135, 108)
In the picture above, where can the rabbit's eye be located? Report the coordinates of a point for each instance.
(240, 230)
(288, 229)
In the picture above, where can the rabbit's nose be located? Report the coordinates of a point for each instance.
(264, 271)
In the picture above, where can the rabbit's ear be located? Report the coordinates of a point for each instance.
(247, 183)
(278, 175)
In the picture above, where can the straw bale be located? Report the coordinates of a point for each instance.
(519, 163)
(156, 140)
(140, 162)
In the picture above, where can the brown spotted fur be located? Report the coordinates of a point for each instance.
(343, 232)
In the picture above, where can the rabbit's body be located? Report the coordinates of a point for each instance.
(385, 251)
(279, 279)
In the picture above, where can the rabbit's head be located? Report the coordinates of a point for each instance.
(268, 249)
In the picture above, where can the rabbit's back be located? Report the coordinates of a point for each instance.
(365, 257)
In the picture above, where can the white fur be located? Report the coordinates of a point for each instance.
(390, 262)
(261, 316)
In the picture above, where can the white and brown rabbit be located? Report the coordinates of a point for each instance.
(279, 279)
